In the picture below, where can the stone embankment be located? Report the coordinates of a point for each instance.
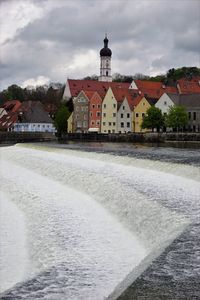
(24, 137)
(153, 137)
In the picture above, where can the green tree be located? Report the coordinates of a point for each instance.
(177, 118)
(153, 119)
(61, 118)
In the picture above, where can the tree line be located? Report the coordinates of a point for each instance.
(46, 94)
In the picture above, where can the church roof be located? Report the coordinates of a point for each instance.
(105, 51)
(101, 87)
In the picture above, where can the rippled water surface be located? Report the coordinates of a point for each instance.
(76, 223)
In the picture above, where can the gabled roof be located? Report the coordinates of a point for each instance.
(174, 98)
(187, 86)
(33, 112)
(12, 105)
(101, 87)
(6, 121)
(153, 89)
(188, 100)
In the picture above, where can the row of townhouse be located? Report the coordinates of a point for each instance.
(120, 108)
(119, 111)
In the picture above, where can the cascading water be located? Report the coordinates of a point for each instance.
(85, 221)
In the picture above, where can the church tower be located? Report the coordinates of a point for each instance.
(105, 63)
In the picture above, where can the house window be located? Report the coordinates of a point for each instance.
(128, 124)
(104, 123)
(98, 114)
(122, 115)
(143, 103)
(79, 124)
(109, 124)
(122, 124)
(189, 115)
(92, 122)
(43, 125)
(194, 115)
(85, 124)
(137, 115)
(106, 71)
(114, 123)
(114, 105)
(98, 106)
(104, 105)
(165, 102)
(123, 107)
(113, 131)
(91, 114)
(85, 117)
(77, 116)
(143, 114)
(97, 123)
(93, 106)
(128, 115)
(114, 114)
(104, 114)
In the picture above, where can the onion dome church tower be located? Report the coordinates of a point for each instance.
(105, 63)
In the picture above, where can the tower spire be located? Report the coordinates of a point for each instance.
(105, 57)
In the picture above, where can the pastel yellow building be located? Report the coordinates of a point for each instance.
(109, 113)
(70, 124)
(138, 114)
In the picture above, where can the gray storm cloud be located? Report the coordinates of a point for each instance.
(60, 39)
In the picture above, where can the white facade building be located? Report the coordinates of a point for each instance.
(34, 127)
(124, 118)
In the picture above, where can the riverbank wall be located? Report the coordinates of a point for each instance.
(152, 137)
(24, 137)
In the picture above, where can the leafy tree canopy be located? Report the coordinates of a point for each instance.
(61, 118)
(153, 119)
(177, 118)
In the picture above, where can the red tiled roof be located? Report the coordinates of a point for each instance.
(12, 105)
(6, 121)
(154, 89)
(187, 86)
(133, 96)
(101, 87)
(89, 94)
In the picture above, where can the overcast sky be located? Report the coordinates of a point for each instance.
(51, 40)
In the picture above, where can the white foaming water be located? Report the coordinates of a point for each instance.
(63, 193)
(13, 254)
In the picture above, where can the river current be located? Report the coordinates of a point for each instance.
(86, 222)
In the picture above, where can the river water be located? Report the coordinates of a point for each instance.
(85, 221)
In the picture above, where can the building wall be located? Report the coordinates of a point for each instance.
(193, 118)
(70, 124)
(109, 113)
(95, 113)
(81, 114)
(124, 118)
(34, 127)
(105, 69)
(164, 103)
(138, 114)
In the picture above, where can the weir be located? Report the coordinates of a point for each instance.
(104, 215)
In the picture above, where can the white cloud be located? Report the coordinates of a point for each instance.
(40, 80)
